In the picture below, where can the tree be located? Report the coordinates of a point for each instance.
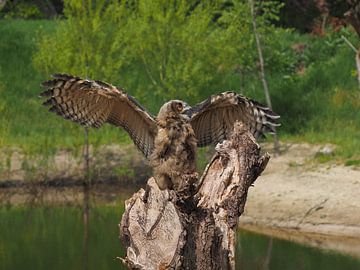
(159, 50)
(262, 68)
(31, 9)
(2, 4)
(353, 16)
(83, 43)
(171, 230)
(4, 123)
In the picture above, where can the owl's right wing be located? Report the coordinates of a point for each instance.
(213, 119)
(93, 103)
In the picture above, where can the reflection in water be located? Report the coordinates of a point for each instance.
(49, 237)
(258, 252)
(86, 210)
(268, 254)
(86, 202)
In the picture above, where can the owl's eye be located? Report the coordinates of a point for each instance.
(179, 106)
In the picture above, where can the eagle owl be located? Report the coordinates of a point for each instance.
(168, 141)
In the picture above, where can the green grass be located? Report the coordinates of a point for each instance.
(320, 106)
(328, 105)
(28, 124)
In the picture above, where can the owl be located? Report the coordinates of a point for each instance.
(169, 141)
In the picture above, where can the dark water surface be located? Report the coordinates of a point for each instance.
(55, 238)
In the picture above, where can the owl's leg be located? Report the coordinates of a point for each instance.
(184, 179)
(163, 181)
(176, 179)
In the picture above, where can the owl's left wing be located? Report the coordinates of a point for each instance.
(214, 118)
(94, 103)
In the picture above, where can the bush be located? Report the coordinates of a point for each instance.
(20, 10)
(158, 50)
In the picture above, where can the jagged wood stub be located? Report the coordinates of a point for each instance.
(163, 230)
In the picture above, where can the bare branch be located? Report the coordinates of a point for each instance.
(349, 43)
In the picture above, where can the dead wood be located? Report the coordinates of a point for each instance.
(167, 230)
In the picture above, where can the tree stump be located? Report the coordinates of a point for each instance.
(166, 230)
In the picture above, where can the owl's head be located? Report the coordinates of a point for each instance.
(172, 107)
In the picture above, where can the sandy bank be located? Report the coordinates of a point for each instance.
(311, 203)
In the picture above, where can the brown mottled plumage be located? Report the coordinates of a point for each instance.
(175, 147)
(168, 141)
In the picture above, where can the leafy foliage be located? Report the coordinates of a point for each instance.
(4, 123)
(83, 43)
(22, 9)
(30, 9)
(159, 50)
(312, 81)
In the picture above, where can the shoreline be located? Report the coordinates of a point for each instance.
(342, 244)
(314, 204)
(294, 199)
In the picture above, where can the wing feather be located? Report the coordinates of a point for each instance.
(93, 103)
(213, 119)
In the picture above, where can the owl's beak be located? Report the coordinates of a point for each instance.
(185, 110)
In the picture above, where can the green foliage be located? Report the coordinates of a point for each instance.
(30, 9)
(180, 51)
(4, 123)
(185, 51)
(353, 162)
(159, 50)
(314, 88)
(21, 10)
(323, 158)
(83, 43)
(29, 125)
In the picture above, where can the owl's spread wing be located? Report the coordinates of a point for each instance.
(93, 103)
(213, 119)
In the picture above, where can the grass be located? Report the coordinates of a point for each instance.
(321, 105)
(353, 162)
(25, 123)
(329, 109)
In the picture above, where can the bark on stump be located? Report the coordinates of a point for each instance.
(167, 230)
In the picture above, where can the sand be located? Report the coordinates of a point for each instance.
(298, 199)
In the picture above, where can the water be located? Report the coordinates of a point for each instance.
(54, 238)
(255, 251)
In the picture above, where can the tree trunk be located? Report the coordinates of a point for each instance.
(165, 230)
(353, 17)
(2, 4)
(262, 71)
(47, 8)
(357, 59)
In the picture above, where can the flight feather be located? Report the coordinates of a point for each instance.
(93, 103)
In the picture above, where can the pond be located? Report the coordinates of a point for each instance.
(54, 237)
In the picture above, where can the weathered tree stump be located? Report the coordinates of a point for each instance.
(165, 230)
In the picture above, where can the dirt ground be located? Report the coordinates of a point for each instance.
(307, 202)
